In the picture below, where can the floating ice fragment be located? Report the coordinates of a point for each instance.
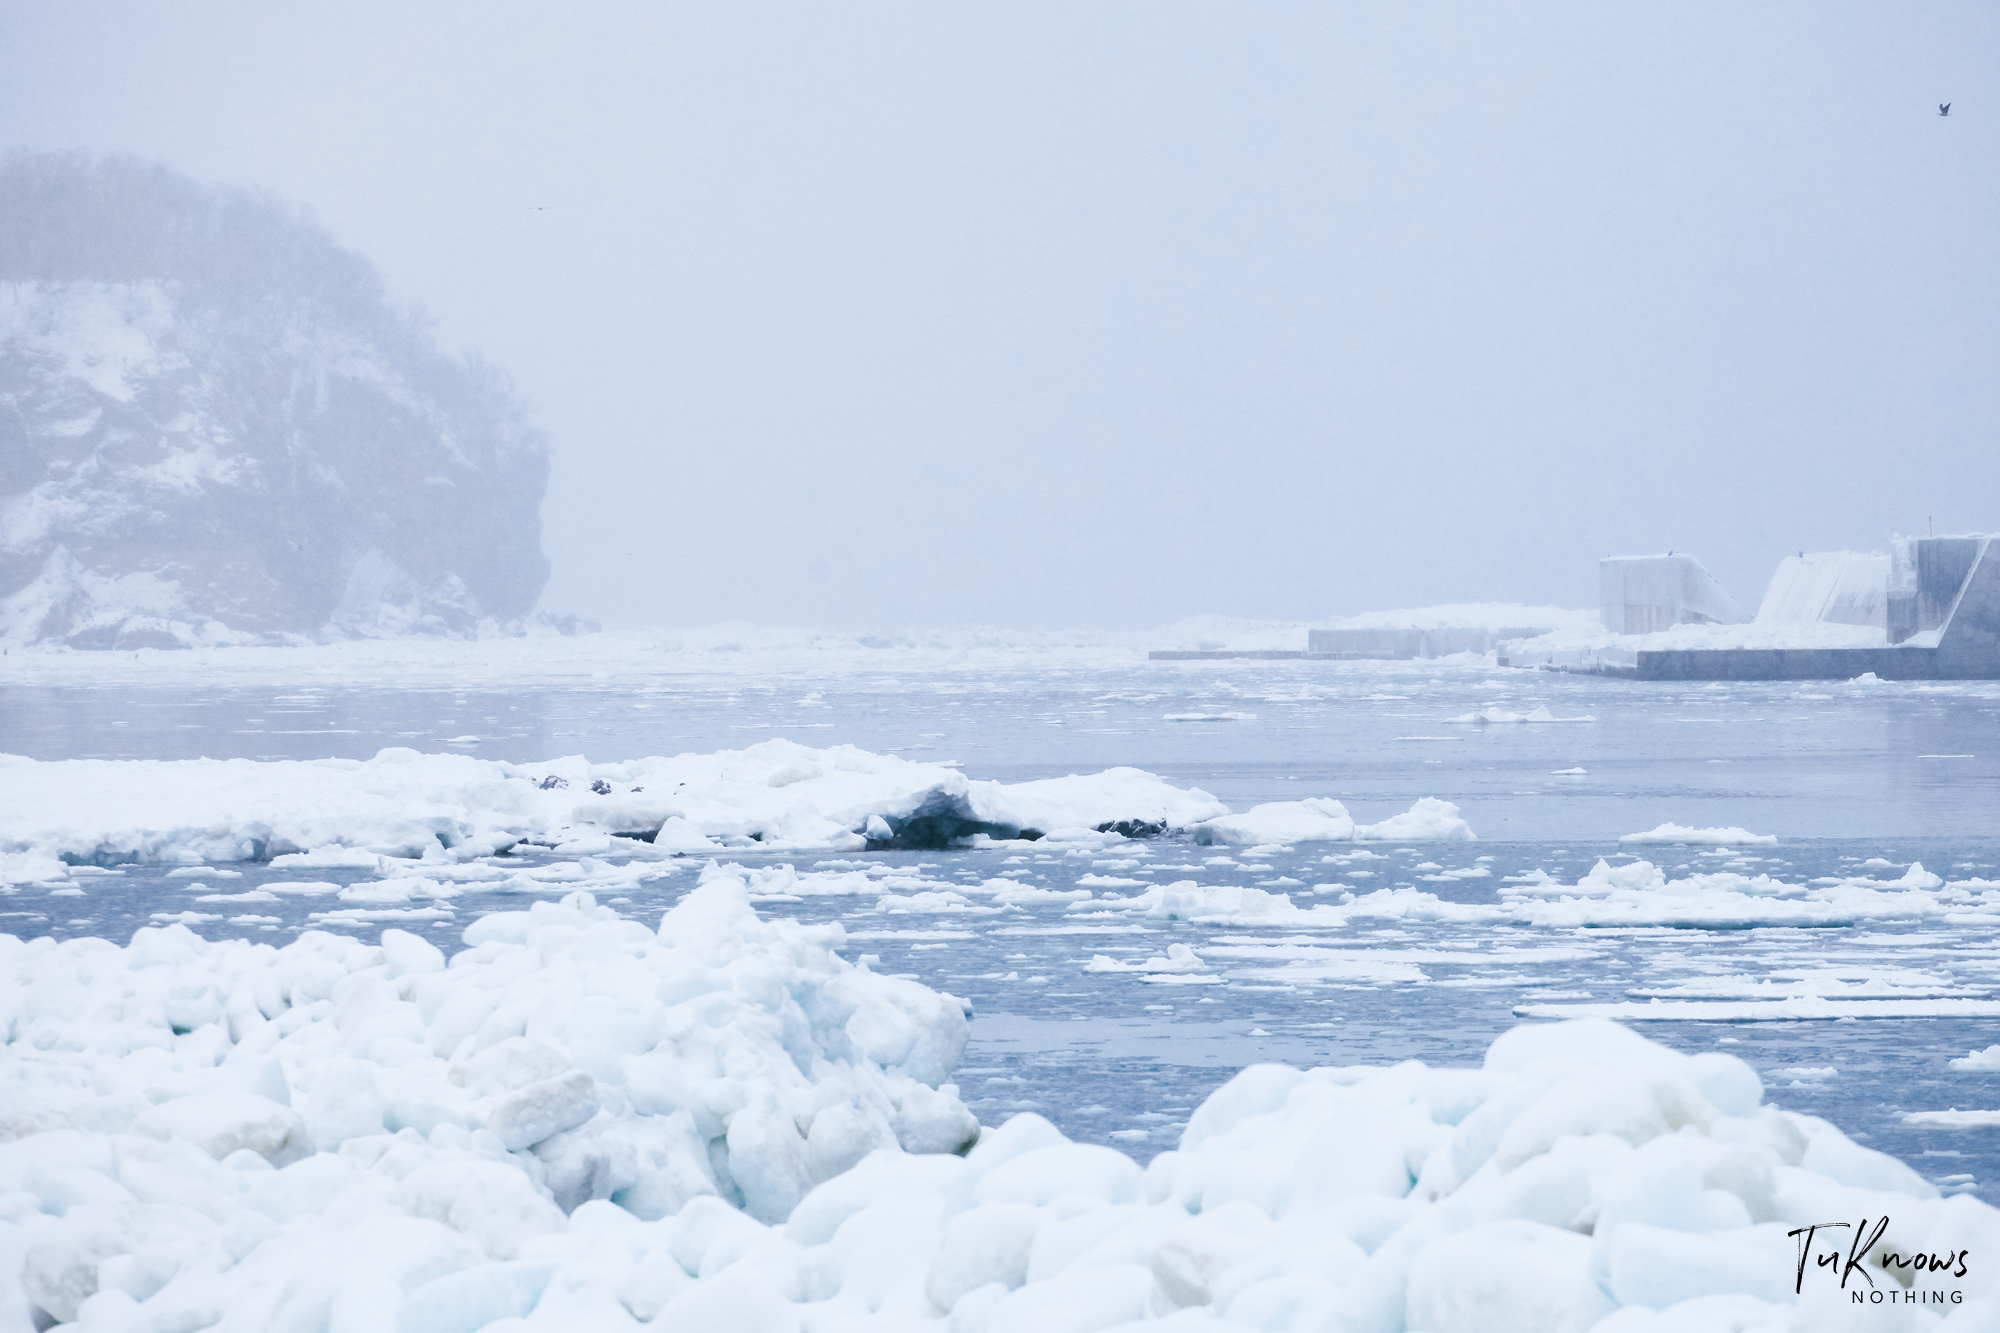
(1316, 819)
(1179, 958)
(1702, 837)
(327, 857)
(1987, 1060)
(1789, 1010)
(1916, 877)
(1429, 819)
(1954, 1119)
(1541, 714)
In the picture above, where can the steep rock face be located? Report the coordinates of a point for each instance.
(214, 428)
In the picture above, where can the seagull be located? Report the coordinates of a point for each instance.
(1944, 108)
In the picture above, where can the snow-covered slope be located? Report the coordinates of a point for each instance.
(215, 428)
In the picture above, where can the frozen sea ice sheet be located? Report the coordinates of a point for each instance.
(1581, 1177)
(341, 812)
(364, 814)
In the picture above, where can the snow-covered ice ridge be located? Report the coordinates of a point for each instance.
(777, 795)
(580, 1123)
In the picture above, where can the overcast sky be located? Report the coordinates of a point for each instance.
(1087, 313)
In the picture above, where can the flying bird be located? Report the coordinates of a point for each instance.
(1944, 108)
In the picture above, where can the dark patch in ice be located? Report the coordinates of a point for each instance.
(939, 823)
(1134, 828)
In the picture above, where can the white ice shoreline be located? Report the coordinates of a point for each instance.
(641, 653)
(581, 1123)
(777, 795)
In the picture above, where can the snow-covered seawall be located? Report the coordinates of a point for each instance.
(777, 795)
(583, 1124)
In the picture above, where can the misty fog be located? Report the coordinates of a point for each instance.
(1106, 315)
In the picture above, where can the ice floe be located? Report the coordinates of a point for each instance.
(1792, 1009)
(1702, 837)
(1321, 819)
(1317, 819)
(1538, 714)
(1954, 1119)
(1178, 960)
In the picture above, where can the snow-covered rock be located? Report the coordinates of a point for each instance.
(214, 427)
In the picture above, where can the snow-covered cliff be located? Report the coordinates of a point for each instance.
(214, 427)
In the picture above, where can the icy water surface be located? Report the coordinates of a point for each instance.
(1808, 760)
(1841, 772)
(1122, 1057)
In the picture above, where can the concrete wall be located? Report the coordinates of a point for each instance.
(1925, 577)
(1643, 594)
(1405, 644)
(1828, 587)
(1969, 640)
(1967, 648)
(1903, 663)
